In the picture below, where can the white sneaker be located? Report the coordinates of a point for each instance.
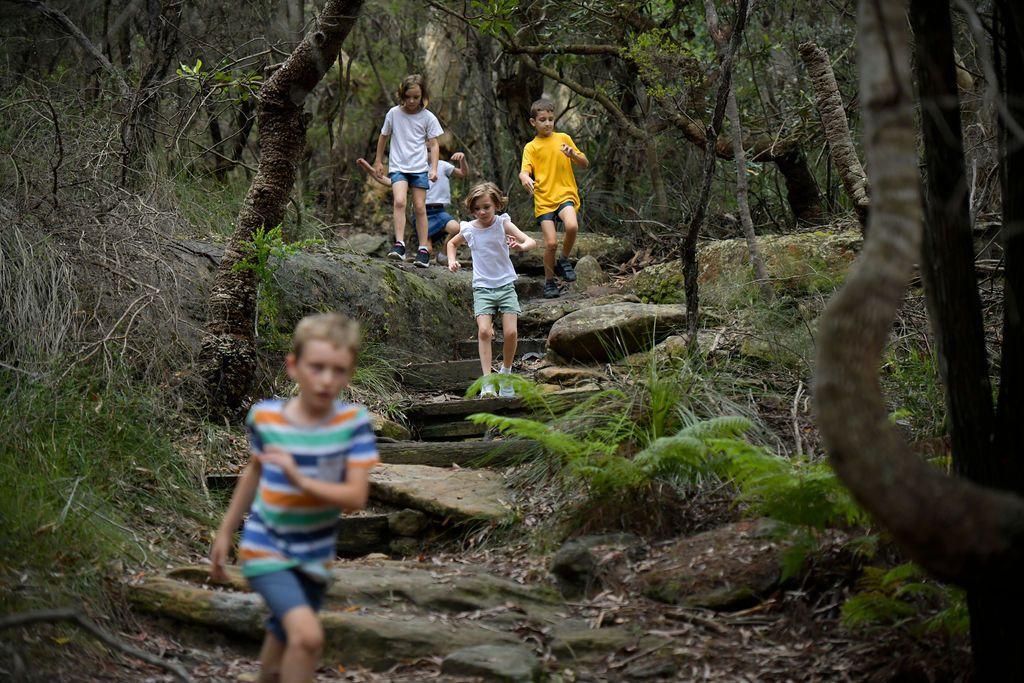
(488, 391)
(506, 390)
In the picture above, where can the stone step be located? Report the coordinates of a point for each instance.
(435, 453)
(452, 376)
(470, 348)
(458, 495)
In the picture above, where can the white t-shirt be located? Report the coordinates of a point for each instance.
(440, 191)
(409, 134)
(492, 266)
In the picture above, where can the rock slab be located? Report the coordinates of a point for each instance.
(506, 663)
(456, 494)
(608, 332)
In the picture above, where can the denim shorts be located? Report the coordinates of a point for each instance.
(553, 215)
(436, 220)
(285, 590)
(489, 301)
(414, 179)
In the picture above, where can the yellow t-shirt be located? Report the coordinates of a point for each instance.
(554, 182)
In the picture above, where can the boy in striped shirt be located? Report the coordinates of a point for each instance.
(311, 458)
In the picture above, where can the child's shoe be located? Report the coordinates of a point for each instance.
(565, 269)
(422, 258)
(488, 391)
(505, 388)
(397, 251)
(551, 289)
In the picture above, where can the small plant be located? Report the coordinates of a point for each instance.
(902, 596)
(263, 254)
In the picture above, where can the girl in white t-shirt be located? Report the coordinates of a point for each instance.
(490, 237)
(412, 161)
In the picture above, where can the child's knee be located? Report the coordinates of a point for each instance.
(510, 332)
(485, 332)
(401, 203)
(571, 225)
(309, 639)
(550, 243)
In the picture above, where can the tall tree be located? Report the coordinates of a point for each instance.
(961, 531)
(228, 356)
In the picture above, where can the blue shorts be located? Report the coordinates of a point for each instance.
(553, 215)
(414, 179)
(437, 218)
(285, 590)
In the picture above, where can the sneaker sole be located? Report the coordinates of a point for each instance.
(397, 257)
(422, 265)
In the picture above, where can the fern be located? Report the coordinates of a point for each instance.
(903, 595)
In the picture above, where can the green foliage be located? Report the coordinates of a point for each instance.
(262, 255)
(89, 476)
(903, 596)
(233, 86)
(911, 378)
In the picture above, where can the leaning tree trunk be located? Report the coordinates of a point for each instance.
(228, 356)
(689, 250)
(957, 530)
(837, 129)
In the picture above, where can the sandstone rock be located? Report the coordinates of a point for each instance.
(388, 428)
(456, 494)
(507, 663)
(554, 374)
(541, 314)
(362, 534)
(406, 522)
(724, 568)
(589, 273)
(365, 244)
(605, 249)
(404, 546)
(575, 568)
(601, 333)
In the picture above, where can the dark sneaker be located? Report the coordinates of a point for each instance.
(551, 290)
(564, 268)
(422, 258)
(397, 252)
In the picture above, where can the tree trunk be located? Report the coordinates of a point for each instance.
(661, 207)
(837, 129)
(689, 250)
(484, 57)
(228, 354)
(955, 529)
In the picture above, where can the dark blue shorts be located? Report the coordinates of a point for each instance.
(437, 218)
(553, 215)
(285, 590)
(414, 179)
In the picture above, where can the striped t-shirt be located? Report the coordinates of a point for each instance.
(287, 528)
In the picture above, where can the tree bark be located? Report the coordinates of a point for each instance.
(837, 129)
(483, 53)
(228, 354)
(689, 250)
(957, 530)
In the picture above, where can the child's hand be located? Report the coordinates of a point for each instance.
(432, 175)
(457, 157)
(219, 557)
(513, 243)
(273, 455)
(454, 265)
(378, 169)
(568, 151)
(528, 185)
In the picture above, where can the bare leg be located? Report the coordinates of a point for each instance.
(550, 247)
(270, 659)
(484, 335)
(401, 192)
(305, 643)
(571, 223)
(419, 207)
(510, 334)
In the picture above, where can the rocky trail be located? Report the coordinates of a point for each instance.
(425, 587)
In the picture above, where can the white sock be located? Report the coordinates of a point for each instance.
(400, 242)
(505, 371)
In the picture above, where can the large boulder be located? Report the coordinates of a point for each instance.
(608, 332)
(797, 264)
(540, 314)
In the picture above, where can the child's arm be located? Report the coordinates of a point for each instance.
(348, 495)
(378, 162)
(370, 171)
(241, 500)
(517, 239)
(463, 169)
(453, 245)
(434, 151)
(575, 155)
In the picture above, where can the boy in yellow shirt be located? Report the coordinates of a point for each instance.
(547, 174)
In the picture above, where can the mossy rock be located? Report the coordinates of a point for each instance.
(601, 333)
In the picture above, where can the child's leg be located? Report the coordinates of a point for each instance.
(270, 659)
(510, 335)
(484, 335)
(550, 247)
(419, 207)
(305, 643)
(400, 190)
(571, 223)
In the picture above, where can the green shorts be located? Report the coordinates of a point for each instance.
(489, 301)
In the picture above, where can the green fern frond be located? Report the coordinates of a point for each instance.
(673, 455)
(875, 609)
(724, 427)
(558, 442)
